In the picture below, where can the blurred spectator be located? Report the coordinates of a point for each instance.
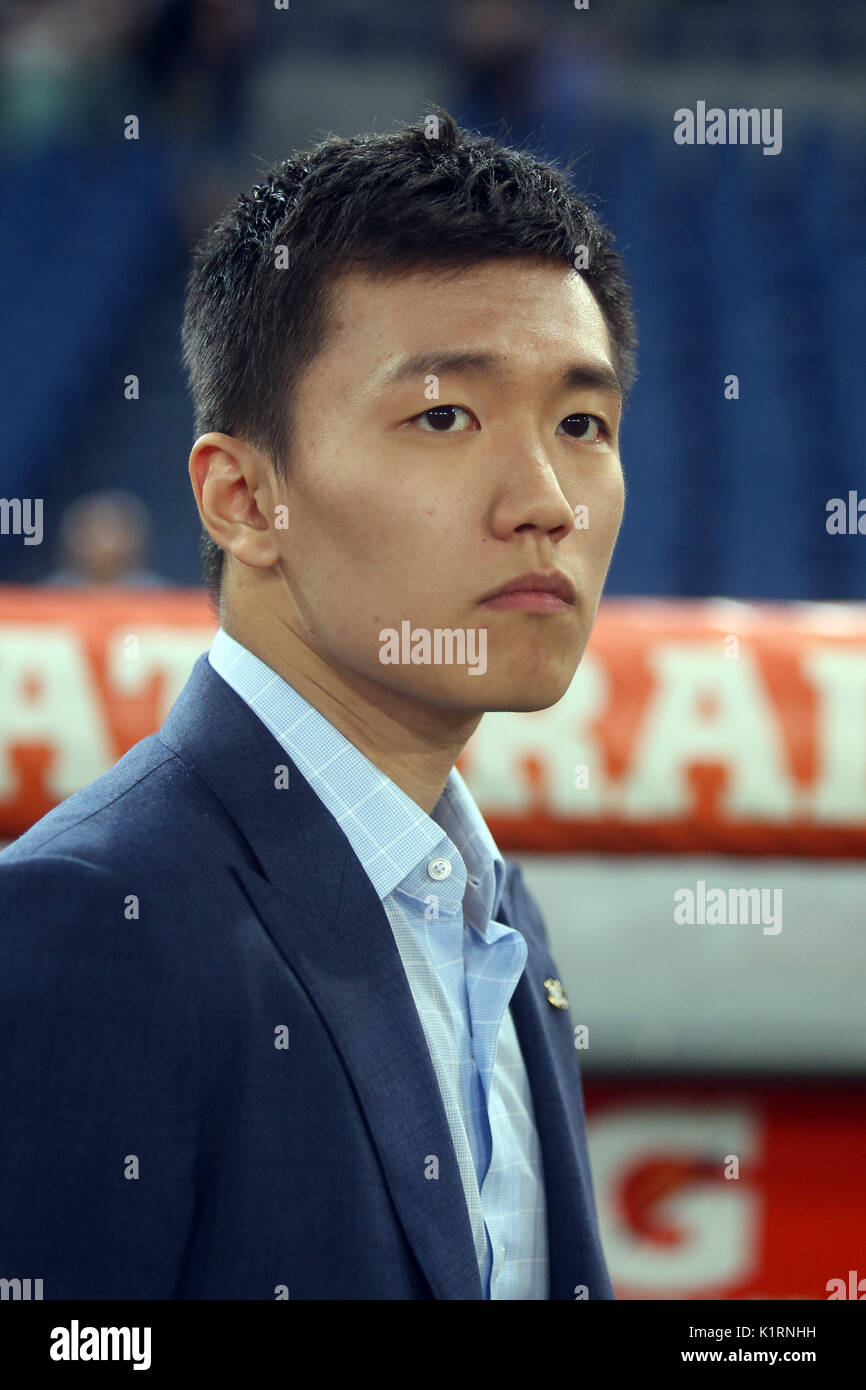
(76, 65)
(196, 58)
(105, 540)
(494, 43)
(66, 64)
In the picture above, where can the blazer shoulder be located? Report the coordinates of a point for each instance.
(146, 813)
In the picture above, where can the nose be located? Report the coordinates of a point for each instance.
(529, 496)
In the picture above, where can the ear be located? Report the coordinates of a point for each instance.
(235, 492)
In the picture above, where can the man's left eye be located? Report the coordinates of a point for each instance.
(581, 422)
(440, 418)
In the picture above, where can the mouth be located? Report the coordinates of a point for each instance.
(539, 593)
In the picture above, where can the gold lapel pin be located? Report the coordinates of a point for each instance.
(555, 994)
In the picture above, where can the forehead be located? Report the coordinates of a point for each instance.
(526, 308)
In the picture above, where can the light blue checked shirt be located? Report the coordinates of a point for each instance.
(440, 880)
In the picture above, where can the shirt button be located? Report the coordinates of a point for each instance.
(439, 868)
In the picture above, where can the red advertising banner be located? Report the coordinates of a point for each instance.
(735, 1191)
(729, 727)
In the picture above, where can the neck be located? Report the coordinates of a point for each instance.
(413, 743)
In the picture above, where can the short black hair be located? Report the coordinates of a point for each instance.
(257, 297)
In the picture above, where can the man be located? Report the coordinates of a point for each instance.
(105, 541)
(278, 1019)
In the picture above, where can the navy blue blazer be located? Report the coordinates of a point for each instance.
(157, 931)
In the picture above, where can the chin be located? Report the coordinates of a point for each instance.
(539, 690)
(520, 686)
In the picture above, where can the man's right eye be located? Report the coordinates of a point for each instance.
(439, 419)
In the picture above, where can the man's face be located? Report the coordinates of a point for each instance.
(406, 506)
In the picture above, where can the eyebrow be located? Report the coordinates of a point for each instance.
(593, 376)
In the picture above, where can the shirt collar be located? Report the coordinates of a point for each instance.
(458, 814)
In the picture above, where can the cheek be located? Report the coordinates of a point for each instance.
(606, 507)
(357, 551)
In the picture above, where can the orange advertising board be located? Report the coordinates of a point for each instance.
(689, 727)
(710, 1189)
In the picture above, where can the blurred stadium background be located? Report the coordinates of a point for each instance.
(740, 764)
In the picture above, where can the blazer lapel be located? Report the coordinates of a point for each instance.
(547, 1043)
(317, 904)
